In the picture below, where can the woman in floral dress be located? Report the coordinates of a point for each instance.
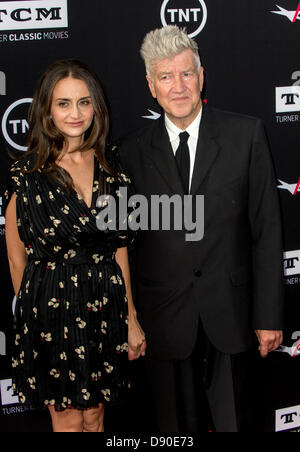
(75, 325)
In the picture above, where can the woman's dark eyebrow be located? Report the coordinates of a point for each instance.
(65, 99)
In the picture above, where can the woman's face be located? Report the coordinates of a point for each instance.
(72, 109)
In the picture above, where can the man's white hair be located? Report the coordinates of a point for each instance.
(167, 42)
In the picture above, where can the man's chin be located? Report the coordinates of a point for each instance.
(182, 113)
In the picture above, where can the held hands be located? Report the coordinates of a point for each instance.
(269, 341)
(136, 339)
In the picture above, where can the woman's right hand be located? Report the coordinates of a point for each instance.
(136, 339)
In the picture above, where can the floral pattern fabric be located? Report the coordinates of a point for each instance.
(71, 321)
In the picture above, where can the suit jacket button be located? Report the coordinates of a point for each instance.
(198, 273)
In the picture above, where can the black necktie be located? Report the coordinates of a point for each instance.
(182, 157)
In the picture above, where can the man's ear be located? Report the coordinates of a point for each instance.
(151, 86)
(201, 78)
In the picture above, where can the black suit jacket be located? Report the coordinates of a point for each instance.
(233, 278)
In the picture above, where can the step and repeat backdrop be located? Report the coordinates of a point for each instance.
(249, 51)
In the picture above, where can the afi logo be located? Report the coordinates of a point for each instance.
(2, 84)
(33, 14)
(193, 16)
(287, 418)
(292, 16)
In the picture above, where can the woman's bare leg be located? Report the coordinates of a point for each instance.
(93, 419)
(68, 421)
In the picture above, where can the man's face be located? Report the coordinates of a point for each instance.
(177, 84)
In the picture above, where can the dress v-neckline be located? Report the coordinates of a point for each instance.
(78, 196)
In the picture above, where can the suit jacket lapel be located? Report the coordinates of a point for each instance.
(207, 149)
(163, 157)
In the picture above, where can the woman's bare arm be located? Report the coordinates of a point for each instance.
(16, 252)
(136, 336)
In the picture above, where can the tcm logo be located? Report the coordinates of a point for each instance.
(15, 125)
(193, 17)
(8, 396)
(291, 261)
(287, 418)
(33, 14)
(292, 16)
(2, 84)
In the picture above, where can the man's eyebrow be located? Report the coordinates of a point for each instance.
(165, 73)
(190, 69)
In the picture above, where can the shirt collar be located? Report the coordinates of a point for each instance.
(193, 129)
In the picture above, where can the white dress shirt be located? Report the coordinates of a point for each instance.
(193, 131)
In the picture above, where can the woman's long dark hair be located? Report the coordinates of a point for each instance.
(45, 141)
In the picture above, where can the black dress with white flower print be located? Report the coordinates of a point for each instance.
(71, 322)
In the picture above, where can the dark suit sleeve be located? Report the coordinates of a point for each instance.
(265, 221)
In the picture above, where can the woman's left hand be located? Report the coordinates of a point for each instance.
(136, 339)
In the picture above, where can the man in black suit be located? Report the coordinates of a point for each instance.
(203, 302)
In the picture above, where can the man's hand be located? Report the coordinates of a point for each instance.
(269, 341)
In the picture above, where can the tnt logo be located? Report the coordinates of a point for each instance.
(2, 84)
(193, 16)
(15, 125)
